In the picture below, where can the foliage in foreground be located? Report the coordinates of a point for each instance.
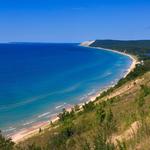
(5, 144)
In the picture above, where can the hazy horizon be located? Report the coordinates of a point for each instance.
(49, 42)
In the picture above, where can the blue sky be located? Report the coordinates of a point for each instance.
(73, 20)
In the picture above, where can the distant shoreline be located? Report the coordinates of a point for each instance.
(133, 58)
(34, 130)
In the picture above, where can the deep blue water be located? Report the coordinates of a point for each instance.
(37, 80)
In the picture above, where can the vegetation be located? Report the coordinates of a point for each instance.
(5, 144)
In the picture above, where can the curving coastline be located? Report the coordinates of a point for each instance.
(133, 58)
(34, 130)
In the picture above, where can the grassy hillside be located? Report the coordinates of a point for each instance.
(99, 124)
(118, 119)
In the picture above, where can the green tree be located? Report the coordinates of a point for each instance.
(101, 114)
(145, 90)
(88, 106)
(66, 115)
(5, 144)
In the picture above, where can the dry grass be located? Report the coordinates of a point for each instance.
(124, 107)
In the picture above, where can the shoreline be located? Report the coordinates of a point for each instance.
(133, 58)
(26, 133)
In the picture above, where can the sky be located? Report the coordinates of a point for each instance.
(73, 20)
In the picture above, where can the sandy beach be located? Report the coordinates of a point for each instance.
(34, 129)
(26, 133)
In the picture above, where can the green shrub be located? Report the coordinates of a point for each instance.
(5, 144)
(88, 106)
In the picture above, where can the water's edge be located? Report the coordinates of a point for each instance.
(87, 97)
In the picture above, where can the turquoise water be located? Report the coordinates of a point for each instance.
(38, 80)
